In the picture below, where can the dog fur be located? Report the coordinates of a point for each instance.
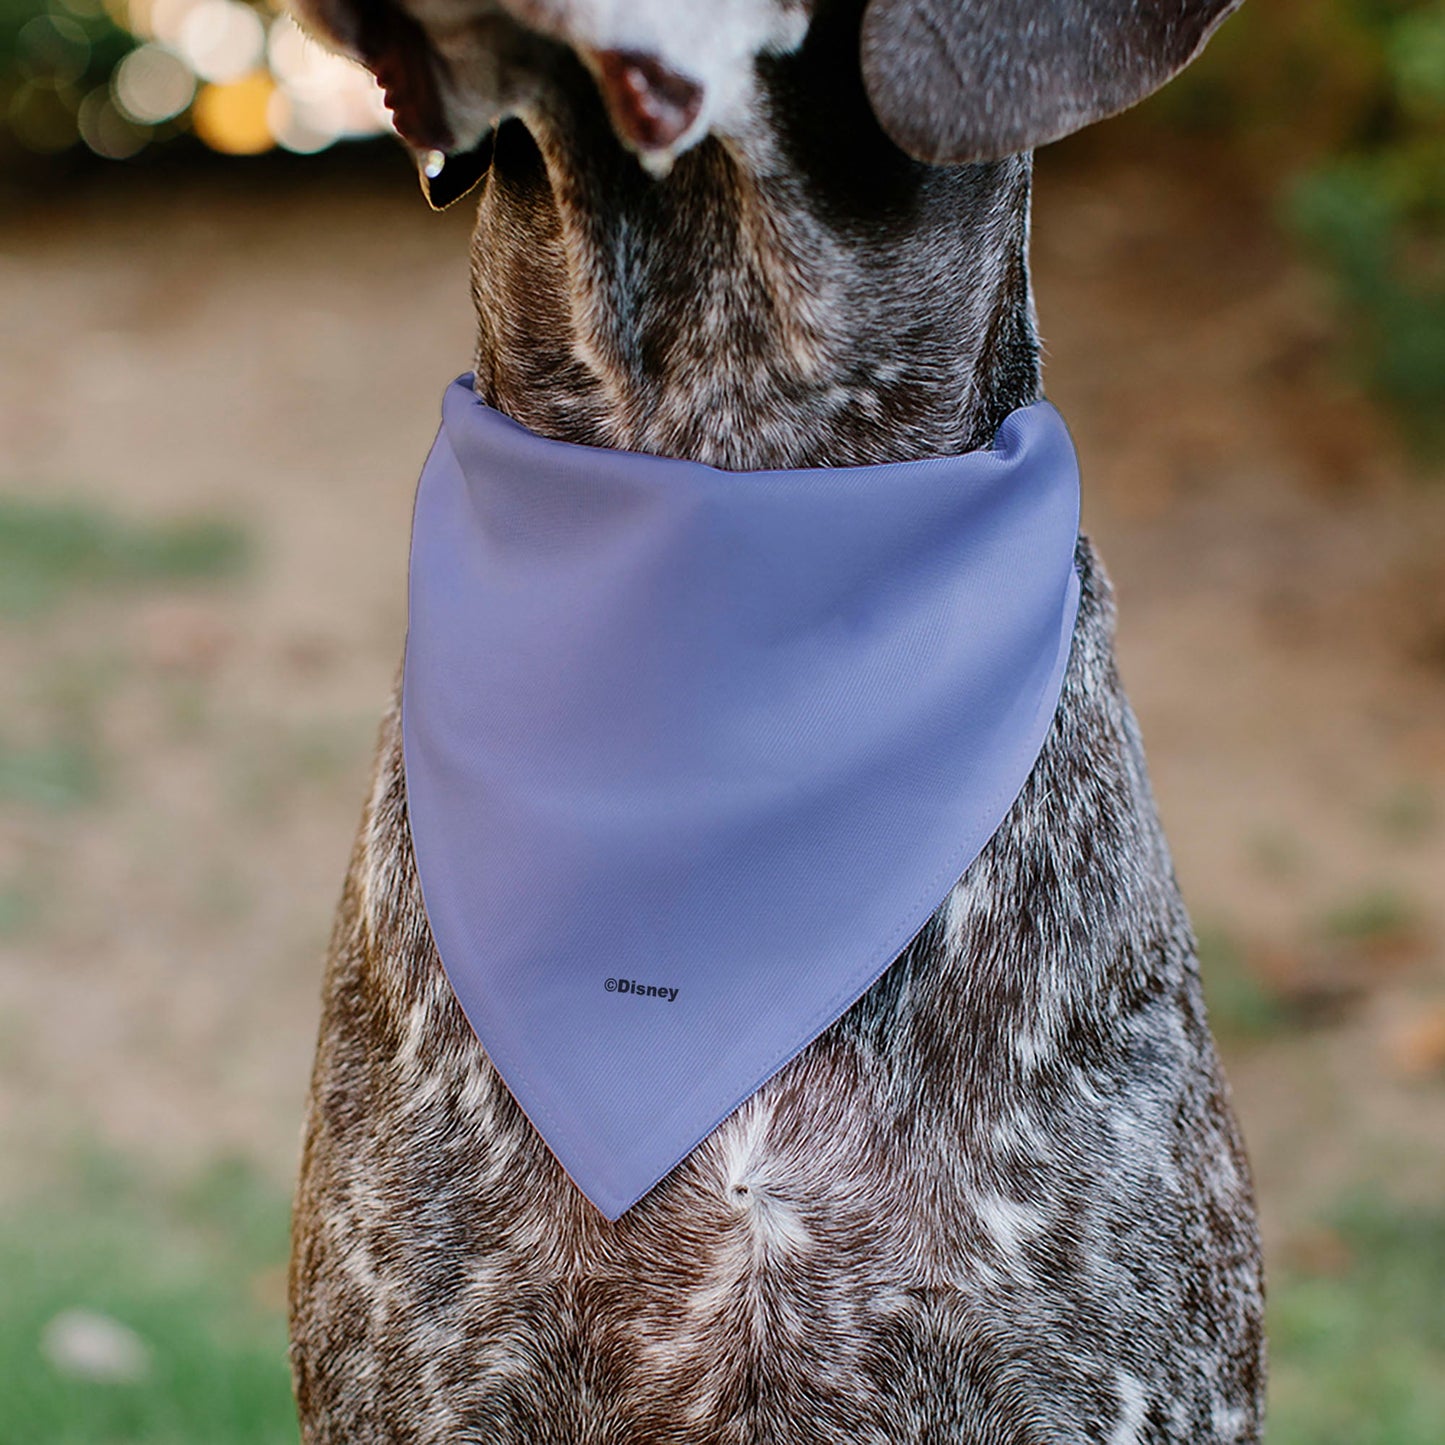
(1003, 1199)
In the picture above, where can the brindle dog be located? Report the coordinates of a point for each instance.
(1003, 1199)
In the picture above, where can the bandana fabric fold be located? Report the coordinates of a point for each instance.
(691, 755)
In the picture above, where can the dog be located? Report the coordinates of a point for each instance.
(1003, 1199)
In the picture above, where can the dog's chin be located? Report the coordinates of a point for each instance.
(447, 177)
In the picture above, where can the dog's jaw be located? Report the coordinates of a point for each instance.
(670, 74)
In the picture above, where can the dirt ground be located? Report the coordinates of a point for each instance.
(274, 354)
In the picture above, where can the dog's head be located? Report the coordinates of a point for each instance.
(949, 81)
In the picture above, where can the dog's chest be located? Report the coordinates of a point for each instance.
(1008, 1174)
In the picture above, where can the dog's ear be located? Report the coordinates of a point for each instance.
(975, 80)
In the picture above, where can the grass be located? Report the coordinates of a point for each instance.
(1337, 958)
(1278, 854)
(1378, 915)
(55, 776)
(1408, 814)
(1357, 1340)
(1241, 1005)
(17, 910)
(194, 1275)
(1358, 1351)
(49, 550)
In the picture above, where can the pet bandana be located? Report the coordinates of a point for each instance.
(691, 755)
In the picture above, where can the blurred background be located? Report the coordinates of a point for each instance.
(227, 319)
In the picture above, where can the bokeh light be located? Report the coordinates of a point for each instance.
(320, 97)
(152, 84)
(119, 75)
(233, 117)
(108, 131)
(221, 40)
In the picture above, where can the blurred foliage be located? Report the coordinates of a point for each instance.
(1339, 105)
(52, 58)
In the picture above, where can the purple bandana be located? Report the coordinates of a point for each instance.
(691, 755)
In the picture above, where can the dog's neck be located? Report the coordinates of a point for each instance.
(805, 296)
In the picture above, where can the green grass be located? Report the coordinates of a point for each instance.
(1380, 913)
(1408, 814)
(49, 550)
(17, 909)
(1278, 854)
(193, 1275)
(56, 776)
(1241, 1005)
(1358, 1355)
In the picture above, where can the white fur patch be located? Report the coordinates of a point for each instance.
(715, 44)
(1009, 1224)
(1133, 1402)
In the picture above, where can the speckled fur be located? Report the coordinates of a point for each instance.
(1003, 1199)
